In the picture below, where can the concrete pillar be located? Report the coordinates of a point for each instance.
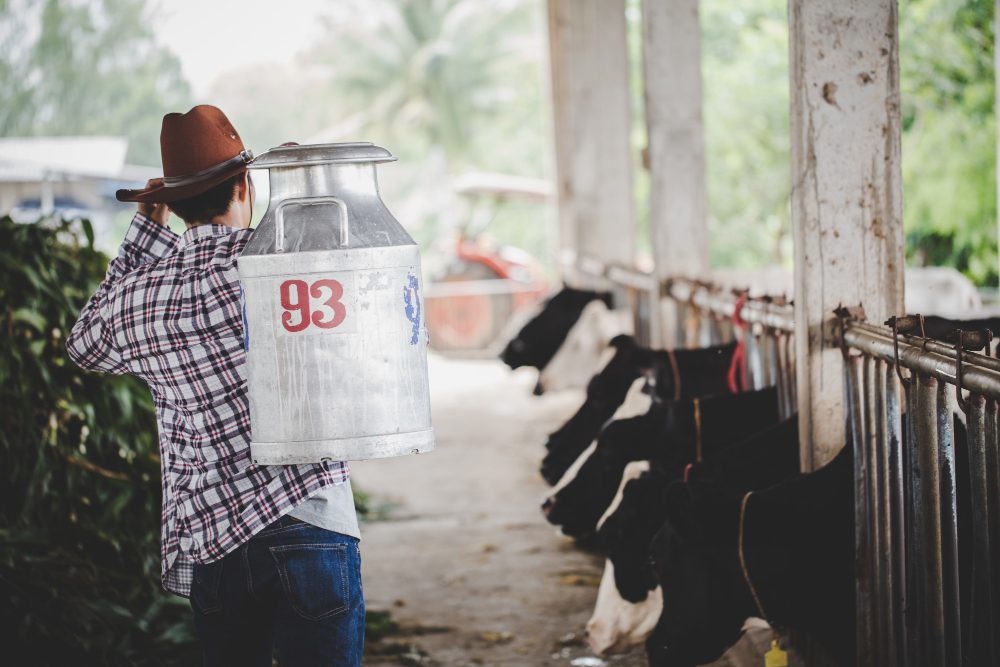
(678, 201)
(591, 118)
(678, 205)
(846, 192)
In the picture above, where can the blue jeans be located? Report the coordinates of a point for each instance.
(294, 588)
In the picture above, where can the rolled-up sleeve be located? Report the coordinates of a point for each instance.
(91, 343)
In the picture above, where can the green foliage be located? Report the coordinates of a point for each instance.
(80, 506)
(72, 68)
(949, 135)
(451, 86)
(745, 70)
(451, 74)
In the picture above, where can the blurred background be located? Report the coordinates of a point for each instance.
(459, 91)
(455, 87)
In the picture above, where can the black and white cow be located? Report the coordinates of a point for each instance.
(630, 600)
(798, 544)
(671, 434)
(606, 392)
(701, 372)
(585, 350)
(617, 623)
(541, 337)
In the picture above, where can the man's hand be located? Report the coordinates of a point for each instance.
(158, 213)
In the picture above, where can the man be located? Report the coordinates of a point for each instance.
(267, 554)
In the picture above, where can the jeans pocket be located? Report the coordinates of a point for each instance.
(205, 596)
(315, 578)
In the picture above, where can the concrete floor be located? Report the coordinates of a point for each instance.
(465, 563)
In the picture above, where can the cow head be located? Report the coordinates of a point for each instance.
(538, 340)
(704, 605)
(626, 529)
(616, 624)
(588, 487)
(629, 601)
(565, 445)
(586, 350)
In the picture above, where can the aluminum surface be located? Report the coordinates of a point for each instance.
(335, 334)
(981, 622)
(933, 646)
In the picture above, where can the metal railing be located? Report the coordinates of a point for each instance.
(476, 287)
(916, 464)
(640, 289)
(920, 562)
(707, 315)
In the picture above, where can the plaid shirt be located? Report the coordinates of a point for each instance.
(169, 312)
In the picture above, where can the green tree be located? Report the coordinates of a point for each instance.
(949, 135)
(745, 70)
(442, 70)
(450, 86)
(71, 68)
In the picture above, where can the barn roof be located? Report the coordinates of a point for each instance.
(25, 159)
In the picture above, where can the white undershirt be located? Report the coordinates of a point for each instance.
(332, 508)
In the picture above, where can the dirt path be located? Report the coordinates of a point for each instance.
(466, 565)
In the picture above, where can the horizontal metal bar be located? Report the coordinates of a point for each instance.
(875, 342)
(937, 347)
(591, 266)
(486, 287)
(633, 278)
(782, 318)
(755, 311)
(617, 274)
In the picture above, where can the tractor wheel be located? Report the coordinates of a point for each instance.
(466, 323)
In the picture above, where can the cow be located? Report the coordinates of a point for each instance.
(701, 372)
(798, 546)
(623, 623)
(671, 434)
(798, 539)
(940, 328)
(584, 351)
(621, 617)
(537, 341)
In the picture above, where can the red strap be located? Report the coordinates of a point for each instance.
(687, 471)
(739, 354)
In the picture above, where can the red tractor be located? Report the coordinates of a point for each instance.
(478, 287)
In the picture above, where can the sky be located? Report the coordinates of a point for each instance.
(212, 37)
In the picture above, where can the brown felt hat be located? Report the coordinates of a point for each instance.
(199, 150)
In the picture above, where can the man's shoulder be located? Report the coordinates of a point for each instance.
(233, 241)
(221, 250)
(207, 255)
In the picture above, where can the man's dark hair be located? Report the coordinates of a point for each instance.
(209, 204)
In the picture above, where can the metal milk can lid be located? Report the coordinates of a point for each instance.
(309, 154)
(324, 197)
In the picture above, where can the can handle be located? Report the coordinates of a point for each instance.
(279, 217)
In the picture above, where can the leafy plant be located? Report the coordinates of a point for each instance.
(80, 510)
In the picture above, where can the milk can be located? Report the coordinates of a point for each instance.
(334, 319)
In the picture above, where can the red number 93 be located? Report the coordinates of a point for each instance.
(295, 300)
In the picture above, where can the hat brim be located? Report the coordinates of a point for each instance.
(161, 193)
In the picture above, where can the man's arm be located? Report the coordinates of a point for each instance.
(90, 344)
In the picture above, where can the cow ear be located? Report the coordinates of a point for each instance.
(681, 511)
(622, 341)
